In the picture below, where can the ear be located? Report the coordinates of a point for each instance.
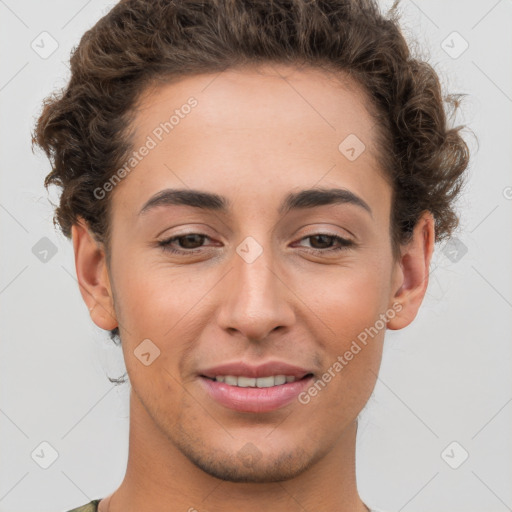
(412, 272)
(91, 271)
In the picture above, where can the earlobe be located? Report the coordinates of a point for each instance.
(414, 272)
(92, 276)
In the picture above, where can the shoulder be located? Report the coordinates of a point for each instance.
(89, 507)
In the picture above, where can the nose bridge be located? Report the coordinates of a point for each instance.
(255, 302)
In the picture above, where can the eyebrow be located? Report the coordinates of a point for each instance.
(309, 198)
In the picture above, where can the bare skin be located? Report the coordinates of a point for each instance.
(253, 139)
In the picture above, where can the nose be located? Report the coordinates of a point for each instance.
(256, 298)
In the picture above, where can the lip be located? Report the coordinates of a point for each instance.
(263, 370)
(256, 400)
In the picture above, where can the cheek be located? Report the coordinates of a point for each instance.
(352, 351)
(348, 305)
(347, 298)
(152, 297)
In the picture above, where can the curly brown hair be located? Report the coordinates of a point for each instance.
(85, 128)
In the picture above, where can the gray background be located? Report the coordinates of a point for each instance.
(444, 378)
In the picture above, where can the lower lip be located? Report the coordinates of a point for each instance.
(254, 399)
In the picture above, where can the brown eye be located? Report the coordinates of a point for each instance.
(191, 241)
(323, 243)
(186, 243)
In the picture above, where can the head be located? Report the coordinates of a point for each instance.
(312, 171)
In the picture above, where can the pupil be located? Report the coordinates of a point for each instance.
(320, 237)
(187, 239)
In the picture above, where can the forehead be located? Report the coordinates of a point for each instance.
(248, 97)
(267, 128)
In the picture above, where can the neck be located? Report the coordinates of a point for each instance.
(158, 474)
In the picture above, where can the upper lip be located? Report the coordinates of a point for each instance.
(262, 370)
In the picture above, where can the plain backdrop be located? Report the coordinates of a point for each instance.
(435, 436)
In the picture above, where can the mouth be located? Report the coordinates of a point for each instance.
(255, 394)
(269, 381)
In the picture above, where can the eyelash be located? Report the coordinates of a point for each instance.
(344, 244)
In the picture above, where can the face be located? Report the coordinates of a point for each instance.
(263, 272)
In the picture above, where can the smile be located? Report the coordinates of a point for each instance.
(254, 395)
(252, 382)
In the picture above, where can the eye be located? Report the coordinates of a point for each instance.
(323, 239)
(189, 242)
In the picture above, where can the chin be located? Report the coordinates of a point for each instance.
(249, 465)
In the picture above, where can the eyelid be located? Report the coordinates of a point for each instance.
(326, 228)
(328, 232)
(190, 227)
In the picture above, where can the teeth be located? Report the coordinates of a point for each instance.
(267, 382)
(232, 381)
(279, 379)
(260, 382)
(245, 382)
